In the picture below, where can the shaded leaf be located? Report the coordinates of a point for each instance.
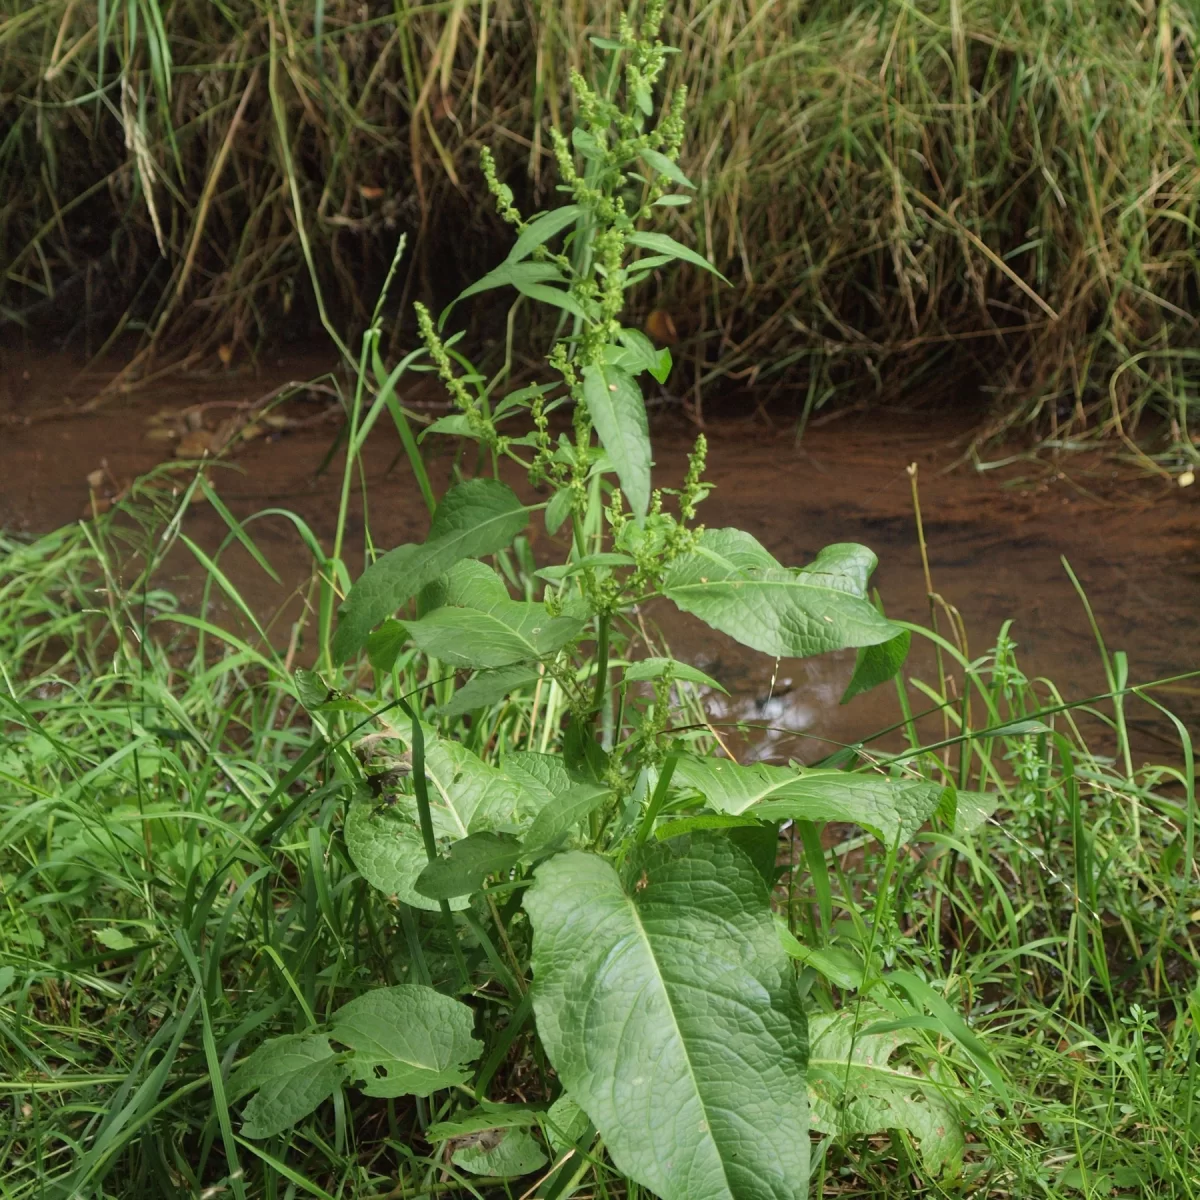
(877, 664)
(506, 632)
(466, 864)
(563, 812)
(486, 688)
(655, 668)
(669, 1011)
(385, 644)
(388, 851)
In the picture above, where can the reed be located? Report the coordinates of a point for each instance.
(910, 198)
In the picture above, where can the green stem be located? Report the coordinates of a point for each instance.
(425, 816)
(601, 662)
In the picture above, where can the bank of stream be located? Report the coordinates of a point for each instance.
(996, 539)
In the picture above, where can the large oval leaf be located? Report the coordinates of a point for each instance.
(892, 809)
(730, 582)
(669, 1011)
(618, 412)
(475, 518)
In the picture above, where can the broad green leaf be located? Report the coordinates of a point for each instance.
(891, 809)
(506, 632)
(311, 690)
(877, 664)
(506, 1154)
(665, 166)
(486, 688)
(604, 560)
(408, 1040)
(541, 776)
(385, 643)
(618, 412)
(727, 582)
(487, 1116)
(290, 1076)
(844, 566)
(638, 353)
(565, 1124)
(563, 812)
(452, 425)
(475, 518)
(662, 243)
(856, 1089)
(541, 229)
(668, 1008)
(673, 201)
(973, 810)
(466, 864)
(656, 668)
(387, 849)
(468, 584)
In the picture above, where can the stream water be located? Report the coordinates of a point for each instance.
(996, 539)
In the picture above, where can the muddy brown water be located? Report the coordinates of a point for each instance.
(995, 539)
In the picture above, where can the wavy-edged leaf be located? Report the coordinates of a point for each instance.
(555, 297)
(475, 518)
(506, 632)
(662, 243)
(408, 1040)
(730, 582)
(618, 412)
(290, 1076)
(507, 274)
(669, 1011)
(856, 1088)
(891, 809)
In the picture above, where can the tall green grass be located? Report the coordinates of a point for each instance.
(174, 888)
(910, 197)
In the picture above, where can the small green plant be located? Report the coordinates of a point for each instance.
(609, 875)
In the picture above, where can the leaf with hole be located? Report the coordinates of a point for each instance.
(408, 1040)
(669, 1011)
